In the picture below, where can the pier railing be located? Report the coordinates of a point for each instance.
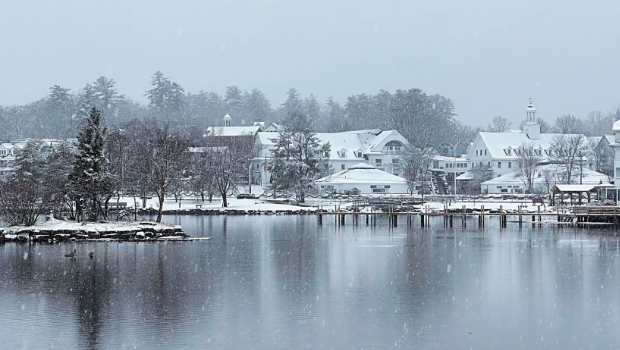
(600, 210)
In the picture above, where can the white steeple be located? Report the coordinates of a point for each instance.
(227, 118)
(532, 128)
(531, 112)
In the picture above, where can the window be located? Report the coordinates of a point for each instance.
(394, 160)
(476, 152)
(504, 190)
(499, 165)
(378, 161)
(386, 186)
(393, 147)
(378, 190)
(341, 166)
(617, 172)
(485, 152)
(507, 151)
(499, 186)
(509, 165)
(465, 165)
(489, 164)
(342, 153)
(358, 154)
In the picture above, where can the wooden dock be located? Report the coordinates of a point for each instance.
(579, 216)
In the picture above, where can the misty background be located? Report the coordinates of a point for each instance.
(487, 57)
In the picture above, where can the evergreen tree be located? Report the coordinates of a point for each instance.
(59, 107)
(107, 97)
(86, 101)
(91, 177)
(293, 102)
(297, 160)
(166, 98)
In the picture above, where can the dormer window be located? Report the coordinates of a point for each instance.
(342, 153)
(358, 153)
(393, 147)
(508, 151)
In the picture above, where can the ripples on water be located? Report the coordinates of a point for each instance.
(269, 282)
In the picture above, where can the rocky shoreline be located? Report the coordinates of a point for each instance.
(70, 231)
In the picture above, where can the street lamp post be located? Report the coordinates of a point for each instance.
(454, 156)
(580, 168)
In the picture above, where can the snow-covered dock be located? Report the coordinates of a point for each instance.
(60, 231)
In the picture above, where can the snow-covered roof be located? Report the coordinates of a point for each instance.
(465, 176)
(574, 188)
(610, 138)
(616, 126)
(233, 130)
(462, 158)
(497, 142)
(362, 173)
(367, 141)
(589, 177)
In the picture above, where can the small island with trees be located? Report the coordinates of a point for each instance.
(81, 191)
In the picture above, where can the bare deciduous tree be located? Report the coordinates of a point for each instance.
(566, 152)
(528, 161)
(500, 124)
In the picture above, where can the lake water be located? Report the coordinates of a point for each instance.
(283, 282)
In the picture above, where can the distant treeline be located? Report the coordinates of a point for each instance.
(425, 120)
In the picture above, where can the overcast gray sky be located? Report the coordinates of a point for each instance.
(489, 57)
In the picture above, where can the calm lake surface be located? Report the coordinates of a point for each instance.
(283, 282)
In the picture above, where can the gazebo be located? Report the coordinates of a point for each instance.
(570, 190)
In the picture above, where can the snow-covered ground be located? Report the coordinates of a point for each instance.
(312, 204)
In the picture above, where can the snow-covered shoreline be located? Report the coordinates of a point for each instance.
(260, 206)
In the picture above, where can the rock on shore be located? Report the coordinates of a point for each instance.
(59, 231)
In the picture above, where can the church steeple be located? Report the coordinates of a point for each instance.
(532, 128)
(531, 112)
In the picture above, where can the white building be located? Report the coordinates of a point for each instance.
(450, 165)
(502, 151)
(616, 147)
(365, 178)
(381, 149)
(513, 183)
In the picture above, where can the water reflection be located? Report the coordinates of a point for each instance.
(284, 282)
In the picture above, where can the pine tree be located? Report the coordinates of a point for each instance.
(91, 177)
(297, 160)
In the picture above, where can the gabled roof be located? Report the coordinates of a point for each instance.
(572, 188)
(496, 142)
(233, 130)
(383, 138)
(367, 141)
